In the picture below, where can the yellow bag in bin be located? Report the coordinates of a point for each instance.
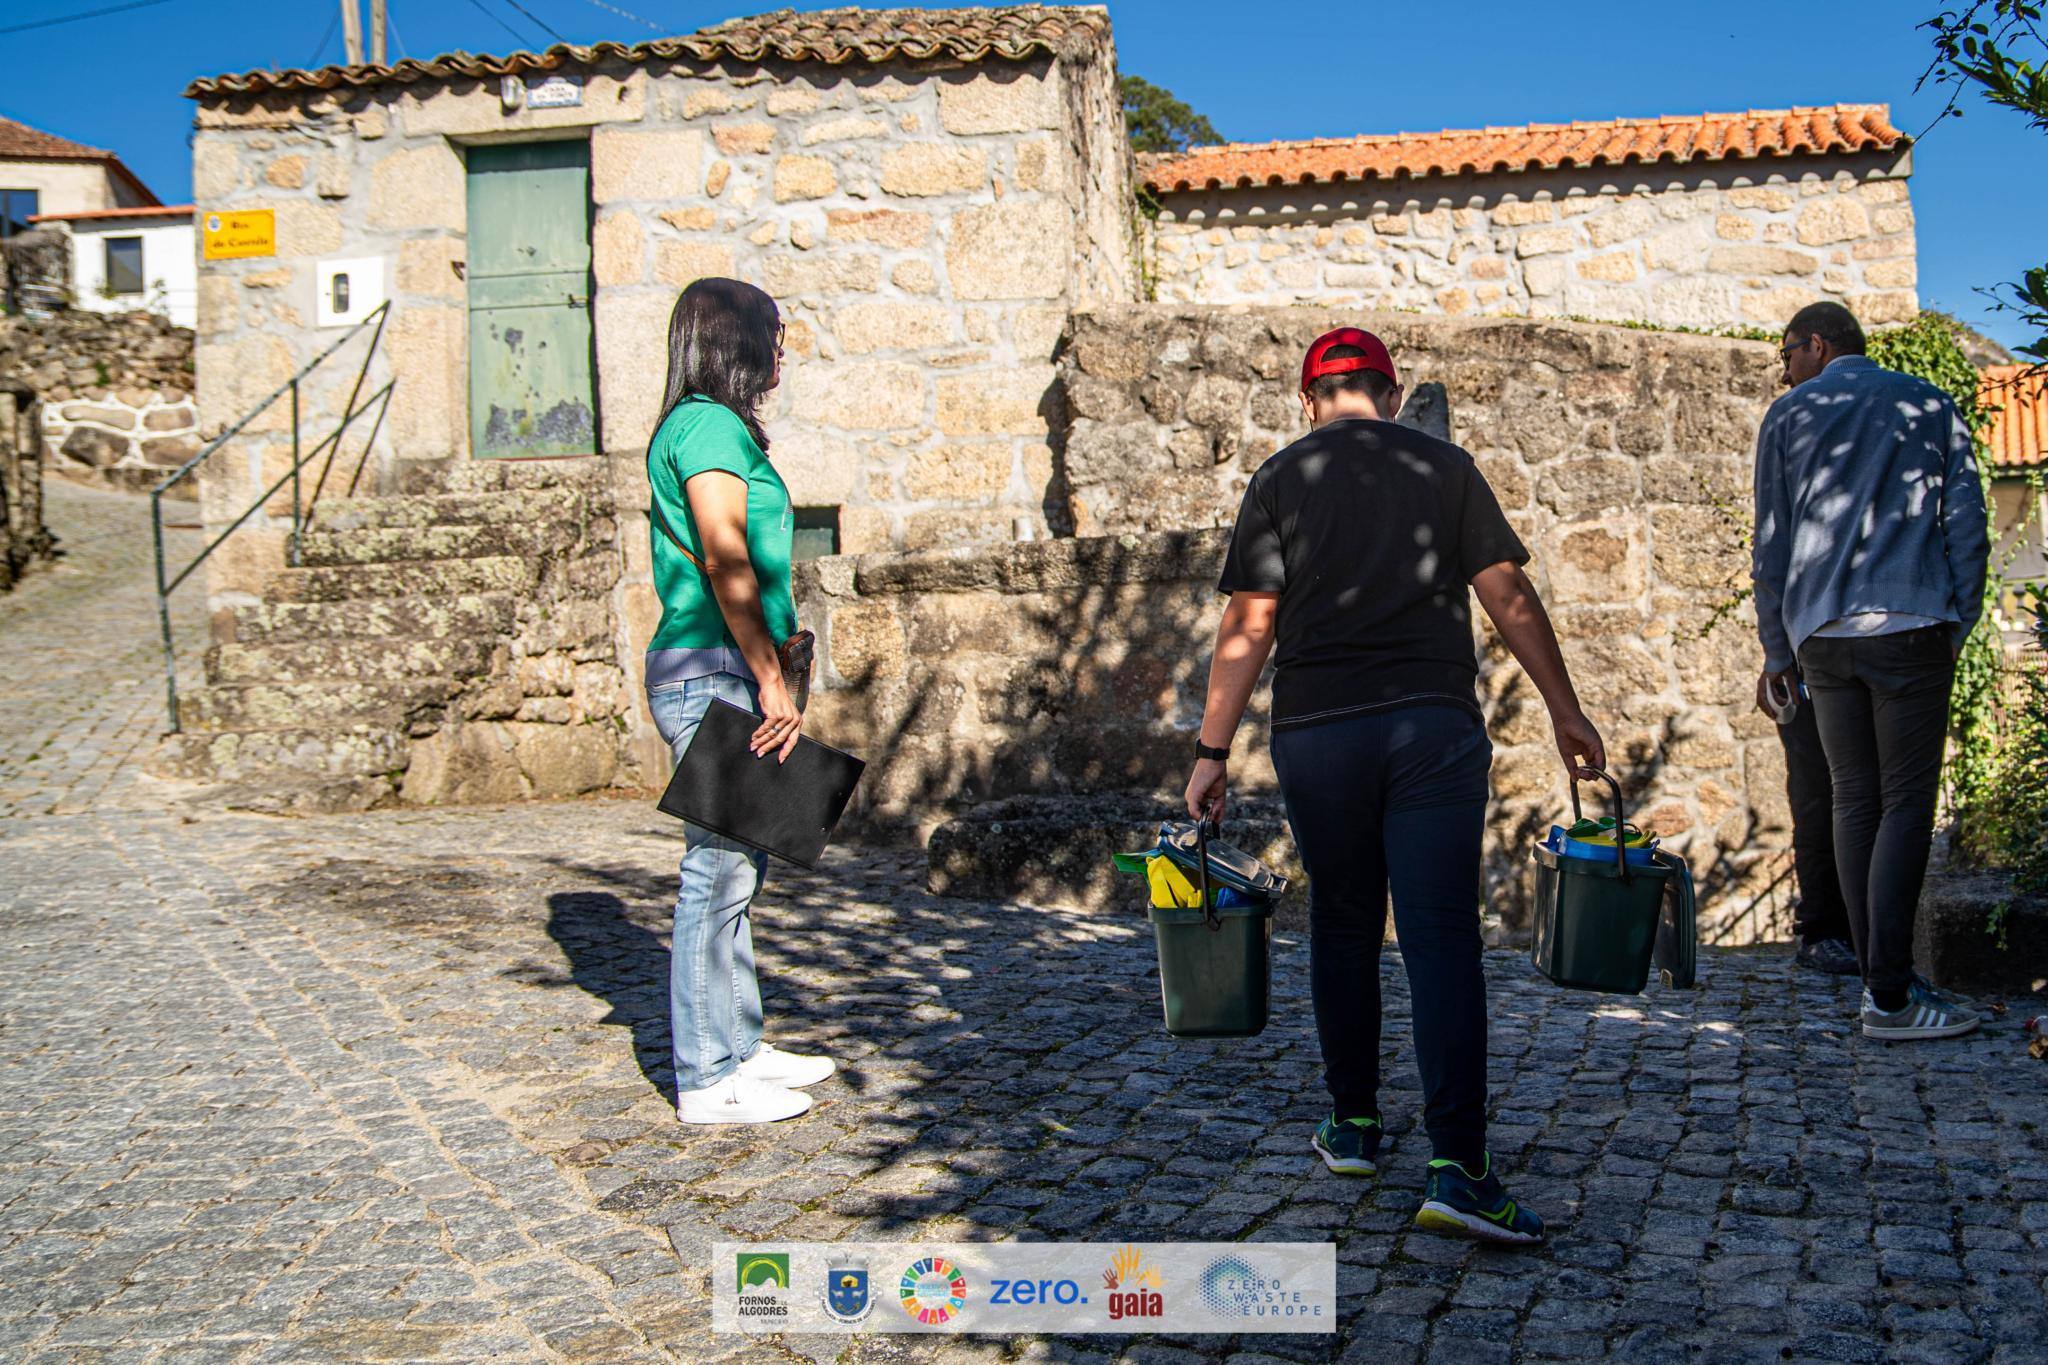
(1170, 887)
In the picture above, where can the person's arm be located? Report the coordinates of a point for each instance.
(1965, 535)
(718, 506)
(1771, 558)
(1244, 639)
(1517, 613)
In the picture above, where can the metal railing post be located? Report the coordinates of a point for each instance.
(163, 606)
(295, 471)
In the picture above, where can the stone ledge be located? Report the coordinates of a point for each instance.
(1055, 851)
(1024, 566)
(1955, 949)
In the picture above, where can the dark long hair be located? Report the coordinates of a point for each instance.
(722, 340)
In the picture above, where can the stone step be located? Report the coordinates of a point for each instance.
(293, 795)
(422, 578)
(484, 614)
(377, 659)
(261, 756)
(492, 476)
(411, 544)
(545, 506)
(306, 705)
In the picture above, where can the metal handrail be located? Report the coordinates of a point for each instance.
(301, 509)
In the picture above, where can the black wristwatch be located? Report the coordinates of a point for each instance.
(1207, 751)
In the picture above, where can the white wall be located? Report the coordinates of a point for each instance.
(169, 271)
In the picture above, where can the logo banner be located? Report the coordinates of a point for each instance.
(940, 1287)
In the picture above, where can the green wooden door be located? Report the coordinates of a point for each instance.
(529, 301)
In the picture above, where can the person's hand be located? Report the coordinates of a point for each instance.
(781, 723)
(1206, 790)
(1786, 682)
(1579, 743)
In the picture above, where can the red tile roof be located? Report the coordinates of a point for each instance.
(19, 142)
(2019, 433)
(1537, 146)
(833, 37)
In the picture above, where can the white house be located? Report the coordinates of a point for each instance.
(123, 259)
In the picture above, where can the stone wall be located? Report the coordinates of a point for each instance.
(1717, 246)
(921, 223)
(116, 392)
(1078, 665)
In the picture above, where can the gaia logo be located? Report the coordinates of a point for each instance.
(1133, 1286)
(933, 1291)
(846, 1291)
(763, 1270)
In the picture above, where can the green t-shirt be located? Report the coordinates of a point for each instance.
(698, 436)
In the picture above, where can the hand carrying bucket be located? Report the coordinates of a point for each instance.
(1596, 920)
(1215, 962)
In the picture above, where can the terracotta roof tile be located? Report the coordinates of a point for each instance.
(834, 37)
(2019, 433)
(147, 211)
(1536, 146)
(19, 142)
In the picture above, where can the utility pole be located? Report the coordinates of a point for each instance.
(352, 31)
(377, 31)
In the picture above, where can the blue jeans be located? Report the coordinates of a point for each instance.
(714, 996)
(1396, 799)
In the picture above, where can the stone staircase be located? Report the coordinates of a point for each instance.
(463, 613)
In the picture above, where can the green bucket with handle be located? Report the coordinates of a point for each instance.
(1596, 923)
(1215, 962)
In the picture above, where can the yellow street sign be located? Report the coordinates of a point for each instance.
(238, 233)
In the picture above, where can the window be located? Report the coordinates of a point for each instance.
(817, 533)
(124, 265)
(16, 208)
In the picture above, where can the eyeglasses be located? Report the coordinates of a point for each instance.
(781, 330)
(1785, 352)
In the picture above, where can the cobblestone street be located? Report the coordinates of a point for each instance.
(392, 1086)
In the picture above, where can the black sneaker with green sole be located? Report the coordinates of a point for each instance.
(1349, 1146)
(1465, 1205)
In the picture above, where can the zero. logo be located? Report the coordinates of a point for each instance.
(933, 1291)
(1018, 1293)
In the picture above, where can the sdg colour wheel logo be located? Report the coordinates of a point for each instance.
(933, 1291)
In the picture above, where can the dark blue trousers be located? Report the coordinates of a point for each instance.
(1396, 801)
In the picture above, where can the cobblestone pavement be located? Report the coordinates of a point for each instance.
(391, 1086)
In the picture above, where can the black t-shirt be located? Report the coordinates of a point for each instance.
(1370, 533)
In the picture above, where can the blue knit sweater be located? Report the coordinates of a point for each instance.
(1867, 500)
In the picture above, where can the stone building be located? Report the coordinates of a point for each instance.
(942, 202)
(926, 193)
(1717, 220)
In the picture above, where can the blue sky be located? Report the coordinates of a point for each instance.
(1980, 183)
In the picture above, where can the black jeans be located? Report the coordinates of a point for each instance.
(1882, 706)
(1820, 913)
(1396, 799)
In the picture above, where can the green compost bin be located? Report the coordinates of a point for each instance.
(1215, 982)
(1596, 921)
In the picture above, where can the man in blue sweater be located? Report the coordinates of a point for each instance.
(1869, 567)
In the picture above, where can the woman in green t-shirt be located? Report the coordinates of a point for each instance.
(720, 528)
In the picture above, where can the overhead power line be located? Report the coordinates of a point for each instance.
(543, 24)
(627, 14)
(88, 14)
(517, 36)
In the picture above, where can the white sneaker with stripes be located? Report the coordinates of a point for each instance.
(1927, 1013)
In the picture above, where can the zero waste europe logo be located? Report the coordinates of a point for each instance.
(1230, 1288)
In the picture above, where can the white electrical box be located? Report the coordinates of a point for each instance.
(346, 292)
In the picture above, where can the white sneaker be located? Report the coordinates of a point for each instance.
(740, 1099)
(771, 1064)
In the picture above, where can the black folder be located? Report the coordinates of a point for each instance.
(787, 809)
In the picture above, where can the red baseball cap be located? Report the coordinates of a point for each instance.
(1316, 364)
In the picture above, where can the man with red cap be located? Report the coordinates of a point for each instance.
(1353, 554)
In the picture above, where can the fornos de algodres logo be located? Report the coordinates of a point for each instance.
(933, 1291)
